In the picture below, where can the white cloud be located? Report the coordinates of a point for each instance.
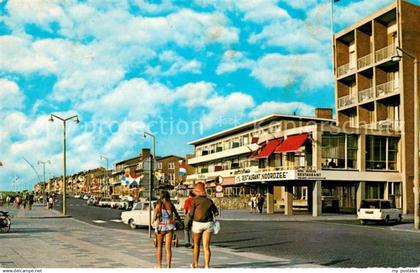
(232, 61)
(257, 11)
(301, 4)
(308, 71)
(286, 108)
(18, 54)
(355, 11)
(147, 7)
(11, 96)
(194, 94)
(177, 64)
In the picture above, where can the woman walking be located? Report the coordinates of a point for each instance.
(202, 213)
(165, 214)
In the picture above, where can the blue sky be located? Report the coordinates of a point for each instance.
(180, 69)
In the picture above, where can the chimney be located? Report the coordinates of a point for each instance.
(145, 153)
(323, 113)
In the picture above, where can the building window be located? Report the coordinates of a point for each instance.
(171, 165)
(160, 165)
(339, 151)
(381, 153)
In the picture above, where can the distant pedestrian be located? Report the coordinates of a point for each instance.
(30, 201)
(187, 227)
(8, 200)
(165, 214)
(203, 212)
(50, 202)
(17, 201)
(253, 203)
(260, 203)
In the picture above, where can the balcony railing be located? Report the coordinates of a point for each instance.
(364, 61)
(385, 53)
(389, 124)
(386, 88)
(366, 95)
(346, 101)
(345, 69)
(286, 168)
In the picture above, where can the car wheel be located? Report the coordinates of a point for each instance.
(386, 221)
(363, 222)
(399, 220)
(132, 224)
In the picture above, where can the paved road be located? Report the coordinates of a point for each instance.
(334, 244)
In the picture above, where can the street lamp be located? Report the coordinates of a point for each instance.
(64, 120)
(398, 57)
(101, 157)
(151, 180)
(44, 195)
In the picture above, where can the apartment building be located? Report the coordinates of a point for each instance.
(168, 170)
(373, 90)
(302, 162)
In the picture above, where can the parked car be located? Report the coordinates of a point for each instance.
(92, 201)
(378, 210)
(77, 196)
(139, 215)
(86, 197)
(115, 203)
(104, 202)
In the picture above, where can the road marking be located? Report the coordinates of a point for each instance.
(116, 221)
(99, 221)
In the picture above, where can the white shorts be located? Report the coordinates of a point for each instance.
(200, 227)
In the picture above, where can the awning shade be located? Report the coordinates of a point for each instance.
(292, 143)
(269, 148)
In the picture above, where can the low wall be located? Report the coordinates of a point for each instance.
(229, 202)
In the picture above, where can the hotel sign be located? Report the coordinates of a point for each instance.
(279, 176)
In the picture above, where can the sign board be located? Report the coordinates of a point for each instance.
(219, 180)
(279, 176)
(219, 194)
(219, 188)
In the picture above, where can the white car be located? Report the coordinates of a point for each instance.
(77, 196)
(104, 202)
(378, 210)
(138, 216)
(85, 197)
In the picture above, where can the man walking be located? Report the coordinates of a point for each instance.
(187, 228)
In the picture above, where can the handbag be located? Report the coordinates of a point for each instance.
(216, 227)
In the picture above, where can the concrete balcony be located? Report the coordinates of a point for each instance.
(395, 125)
(386, 89)
(226, 153)
(365, 61)
(223, 173)
(385, 53)
(366, 95)
(346, 69)
(346, 101)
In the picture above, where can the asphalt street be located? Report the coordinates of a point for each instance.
(328, 243)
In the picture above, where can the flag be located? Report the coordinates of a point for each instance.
(182, 169)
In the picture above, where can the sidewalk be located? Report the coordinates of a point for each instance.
(38, 238)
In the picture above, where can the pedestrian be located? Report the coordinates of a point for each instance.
(17, 201)
(203, 211)
(165, 214)
(260, 203)
(30, 201)
(8, 200)
(50, 202)
(253, 203)
(187, 227)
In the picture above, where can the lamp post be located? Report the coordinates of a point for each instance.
(398, 58)
(44, 195)
(151, 180)
(64, 120)
(106, 171)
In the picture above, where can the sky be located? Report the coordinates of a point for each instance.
(179, 69)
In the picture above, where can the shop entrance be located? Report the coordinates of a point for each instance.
(339, 197)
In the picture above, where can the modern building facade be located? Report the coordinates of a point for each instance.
(374, 91)
(323, 164)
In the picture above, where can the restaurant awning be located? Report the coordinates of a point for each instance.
(269, 148)
(292, 143)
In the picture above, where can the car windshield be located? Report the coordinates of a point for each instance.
(374, 204)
